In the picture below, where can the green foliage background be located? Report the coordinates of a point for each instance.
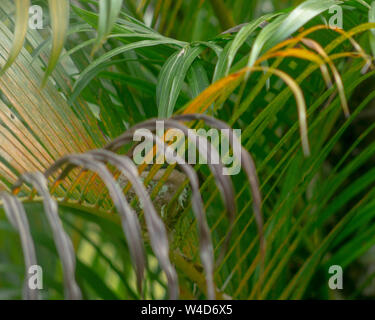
(108, 65)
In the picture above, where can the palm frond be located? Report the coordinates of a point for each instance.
(300, 90)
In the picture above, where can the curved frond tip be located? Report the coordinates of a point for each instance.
(96, 161)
